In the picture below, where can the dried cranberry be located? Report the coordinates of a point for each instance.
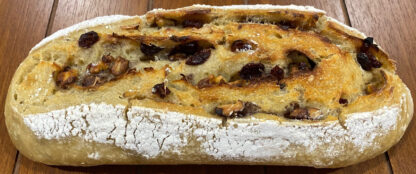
(364, 61)
(374, 62)
(161, 90)
(192, 23)
(343, 101)
(241, 45)
(186, 48)
(189, 48)
(277, 72)
(368, 40)
(367, 43)
(199, 57)
(149, 50)
(365, 58)
(88, 39)
(251, 70)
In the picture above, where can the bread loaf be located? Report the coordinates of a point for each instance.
(250, 84)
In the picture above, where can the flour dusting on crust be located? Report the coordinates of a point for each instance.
(152, 132)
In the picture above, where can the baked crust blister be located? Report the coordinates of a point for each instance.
(272, 85)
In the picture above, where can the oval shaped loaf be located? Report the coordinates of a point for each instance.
(256, 84)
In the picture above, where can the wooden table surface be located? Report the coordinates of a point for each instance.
(23, 23)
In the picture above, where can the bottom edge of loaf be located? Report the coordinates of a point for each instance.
(99, 134)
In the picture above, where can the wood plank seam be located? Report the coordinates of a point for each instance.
(348, 22)
(346, 14)
(15, 162)
(388, 160)
(51, 17)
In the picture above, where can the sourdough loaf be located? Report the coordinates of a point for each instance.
(257, 84)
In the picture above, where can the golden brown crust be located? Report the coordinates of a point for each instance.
(276, 33)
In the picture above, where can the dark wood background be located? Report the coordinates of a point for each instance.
(23, 23)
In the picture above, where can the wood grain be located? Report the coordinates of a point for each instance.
(392, 24)
(27, 166)
(335, 9)
(67, 13)
(22, 26)
(167, 4)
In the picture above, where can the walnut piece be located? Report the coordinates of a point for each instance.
(66, 77)
(238, 109)
(120, 66)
